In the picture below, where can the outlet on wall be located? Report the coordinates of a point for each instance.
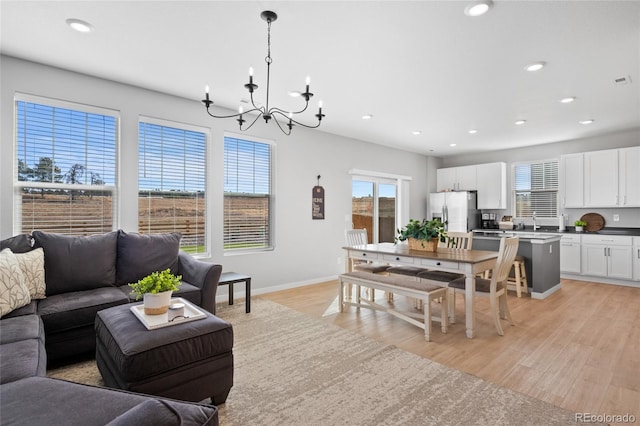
(616, 218)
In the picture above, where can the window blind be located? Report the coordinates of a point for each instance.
(171, 183)
(247, 194)
(536, 189)
(66, 168)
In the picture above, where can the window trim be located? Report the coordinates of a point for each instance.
(207, 148)
(272, 191)
(74, 106)
(514, 191)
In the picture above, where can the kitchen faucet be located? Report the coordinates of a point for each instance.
(534, 222)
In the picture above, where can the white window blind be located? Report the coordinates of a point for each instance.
(66, 167)
(171, 182)
(536, 189)
(247, 194)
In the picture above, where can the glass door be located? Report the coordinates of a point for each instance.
(373, 207)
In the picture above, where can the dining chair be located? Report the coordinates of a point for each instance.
(358, 237)
(496, 287)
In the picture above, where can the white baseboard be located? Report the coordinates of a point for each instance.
(601, 280)
(239, 289)
(540, 296)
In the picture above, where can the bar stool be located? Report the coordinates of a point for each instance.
(519, 279)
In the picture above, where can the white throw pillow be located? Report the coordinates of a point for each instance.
(32, 267)
(13, 292)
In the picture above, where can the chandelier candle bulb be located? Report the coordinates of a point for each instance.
(206, 91)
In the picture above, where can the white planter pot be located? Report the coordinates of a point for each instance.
(579, 229)
(158, 303)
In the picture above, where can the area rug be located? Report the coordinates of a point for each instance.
(291, 369)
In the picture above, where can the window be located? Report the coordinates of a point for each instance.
(172, 181)
(65, 179)
(373, 207)
(247, 194)
(536, 189)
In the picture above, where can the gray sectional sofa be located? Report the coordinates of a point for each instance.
(84, 275)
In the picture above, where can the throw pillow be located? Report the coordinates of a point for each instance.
(13, 293)
(141, 254)
(74, 263)
(32, 267)
(19, 244)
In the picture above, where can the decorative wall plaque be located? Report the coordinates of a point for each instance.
(317, 201)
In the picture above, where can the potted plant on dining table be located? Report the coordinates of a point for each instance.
(422, 235)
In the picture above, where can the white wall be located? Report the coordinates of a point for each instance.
(306, 250)
(629, 217)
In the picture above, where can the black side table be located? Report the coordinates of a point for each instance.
(230, 278)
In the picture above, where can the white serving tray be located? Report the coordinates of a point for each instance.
(152, 322)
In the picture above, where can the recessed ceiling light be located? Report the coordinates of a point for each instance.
(520, 122)
(79, 25)
(416, 132)
(473, 131)
(478, 8)
(367, 116)
(568, 100)
(452, 144)
(587, 121)
(536, 66)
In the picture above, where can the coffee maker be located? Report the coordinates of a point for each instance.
(489, 221)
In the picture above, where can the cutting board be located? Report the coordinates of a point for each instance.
(595, 221)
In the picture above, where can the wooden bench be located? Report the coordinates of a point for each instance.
(398, 285)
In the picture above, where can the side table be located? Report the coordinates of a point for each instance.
(230, 278)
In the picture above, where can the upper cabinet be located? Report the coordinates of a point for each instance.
(612, 178)
(456, 179)
(492, 185)
(490, 180)
(572, 180)
(629, 162)
(601, 178)
(608, 178)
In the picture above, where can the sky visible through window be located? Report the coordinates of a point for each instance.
(365, 189)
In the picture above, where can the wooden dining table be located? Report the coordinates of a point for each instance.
(467, 262)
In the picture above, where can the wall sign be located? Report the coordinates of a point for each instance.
(317, 201)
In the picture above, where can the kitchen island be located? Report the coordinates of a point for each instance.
(541, 253)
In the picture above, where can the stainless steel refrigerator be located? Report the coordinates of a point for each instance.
(458, 210)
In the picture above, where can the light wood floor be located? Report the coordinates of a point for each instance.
(578, 349)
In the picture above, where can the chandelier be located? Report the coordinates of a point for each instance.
(265, 111)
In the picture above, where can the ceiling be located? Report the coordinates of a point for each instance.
(413, 65)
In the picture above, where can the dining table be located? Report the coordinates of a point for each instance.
(467, 262)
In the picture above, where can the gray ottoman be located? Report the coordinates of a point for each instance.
(191, 361)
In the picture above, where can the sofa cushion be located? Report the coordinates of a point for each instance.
(32, 267)
(22, 352)
(21, 328)
(19, 244)
(141, 254)
(30, 309)
(77, 263)
(150, 413)
(21, 359)
(38, 401)
(13, 292)
(77, 309)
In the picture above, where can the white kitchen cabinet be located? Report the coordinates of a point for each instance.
(629, 177)
(492, 185)
(570, 254)
(572, 180)
(636, 258)
(461, 178)
(607, 256)
(601, 177)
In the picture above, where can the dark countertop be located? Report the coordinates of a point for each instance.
(632, 232)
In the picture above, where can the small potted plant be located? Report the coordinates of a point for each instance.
(579, 224)
(422, 235)
(156, 289)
